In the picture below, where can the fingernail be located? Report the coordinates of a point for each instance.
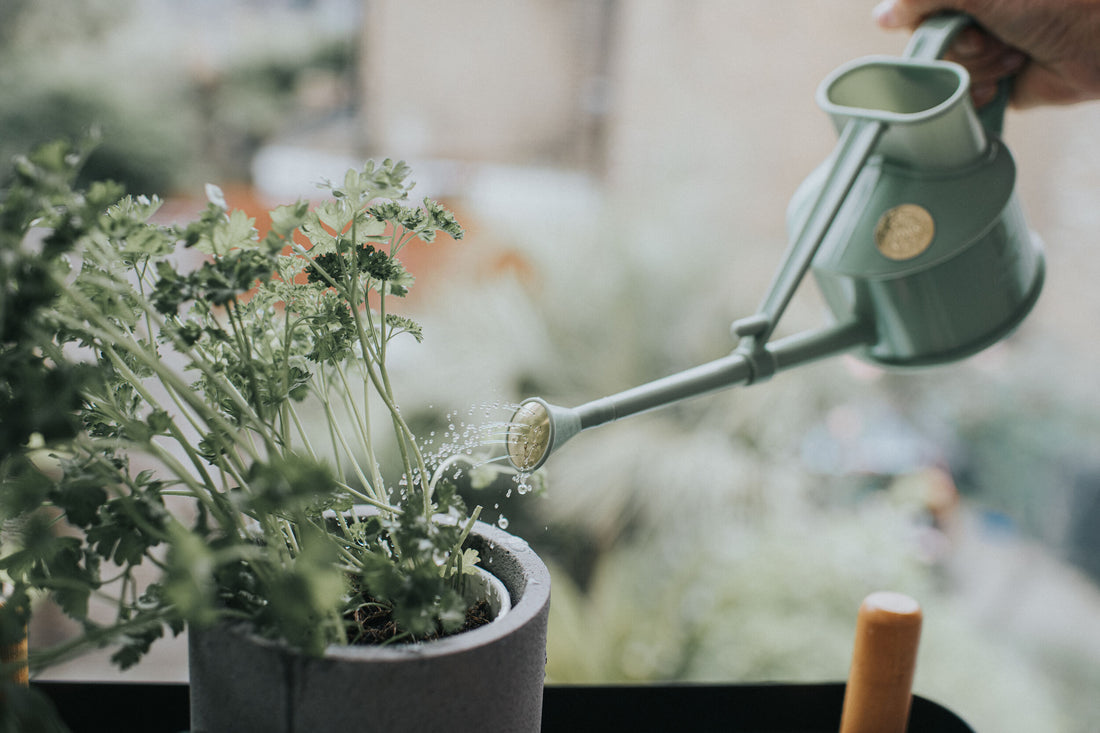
(983, 94)
(1013, 62)
(968, 44)
(885, 14)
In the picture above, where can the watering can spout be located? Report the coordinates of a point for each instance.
(538, 428)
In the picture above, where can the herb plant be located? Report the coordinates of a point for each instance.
(215, 422)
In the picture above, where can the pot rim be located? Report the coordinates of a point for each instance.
(526, 578)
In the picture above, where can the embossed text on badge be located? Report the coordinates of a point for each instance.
(904, 231)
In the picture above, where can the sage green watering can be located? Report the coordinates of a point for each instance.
(911, 229)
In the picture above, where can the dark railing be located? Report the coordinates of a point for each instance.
(755, 708)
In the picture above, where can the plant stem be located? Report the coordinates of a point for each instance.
(203, 490)
(457, 549)
(406, 439)
(361, 421)
(389, 508)
(301, 430)
(108, 335)
(245, 347)
(339, 437)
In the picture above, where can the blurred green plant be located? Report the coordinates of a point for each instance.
(146, 154)
(163, 124)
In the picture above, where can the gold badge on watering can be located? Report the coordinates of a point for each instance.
(904, 231)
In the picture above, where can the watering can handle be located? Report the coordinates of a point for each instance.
(857, 141)
(932, 39)
(934, 36)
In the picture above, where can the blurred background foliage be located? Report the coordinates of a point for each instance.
(172, 113)
(623, 169)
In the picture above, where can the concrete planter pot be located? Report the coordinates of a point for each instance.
(486, 680)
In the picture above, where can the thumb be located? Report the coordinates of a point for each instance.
(908, 13)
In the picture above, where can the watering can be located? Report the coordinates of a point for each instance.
(911, 228)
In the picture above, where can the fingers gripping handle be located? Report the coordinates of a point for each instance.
(935, 35)
(932, 39)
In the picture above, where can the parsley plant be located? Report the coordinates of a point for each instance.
(212, 423)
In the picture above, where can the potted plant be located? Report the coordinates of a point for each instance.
(218, 423)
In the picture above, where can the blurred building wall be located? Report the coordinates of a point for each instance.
(707, 103)
(485, 80)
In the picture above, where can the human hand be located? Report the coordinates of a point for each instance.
(1050, 46)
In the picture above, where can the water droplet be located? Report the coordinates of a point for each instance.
(502, 522)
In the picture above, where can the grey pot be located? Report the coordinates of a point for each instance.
(487, 680)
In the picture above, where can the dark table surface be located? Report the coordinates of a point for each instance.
(759, 708)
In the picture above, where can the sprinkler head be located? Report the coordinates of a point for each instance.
(536, 429)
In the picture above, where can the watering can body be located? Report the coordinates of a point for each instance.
(930, 247)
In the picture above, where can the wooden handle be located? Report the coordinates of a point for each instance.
(16, 654)
(884, 658)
